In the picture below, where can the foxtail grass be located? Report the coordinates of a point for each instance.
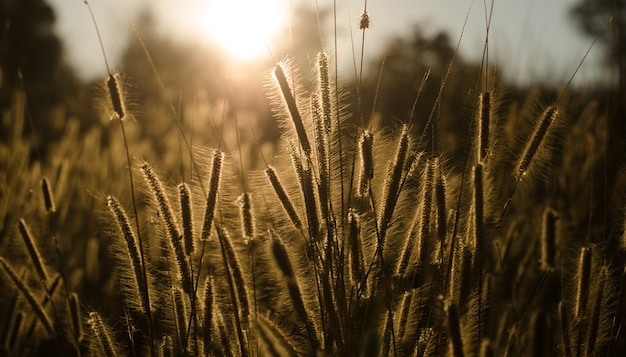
(583, 274)
(172, 230)
(548, 239)
(283, 197)
(484, 115)
(236, 287)
(281, 257)
(235, 269)
(341, 297)
(215, 177)
(392, 185)
(277, 341)
(207, 316)
(102, 334)
(115, 95)
(596, 309)
(48, 196)
(186, 213)
(536, 141)
(366, 173)
(33, 252)
(180, 316)
(248, 226)
(292, 107)
(41, 313)
(357, 265)
(478, 223)
(139, 280)
(419, 233)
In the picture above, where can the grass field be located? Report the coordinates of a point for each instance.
(352, 236)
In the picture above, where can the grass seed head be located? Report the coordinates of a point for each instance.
(281, 256)
(440, 197)
(478, 209)
(393, 182)
(211, 199)
(186, 213)
(180, 315)
(33, 252)
(116, 97)
(248, 226)
(366, 149)
(324, 90)
(283, 197)
(234, 267)
(207, 317)
(596, 309)
(292, 107)
(582, 284)
(163, 203)
(138, 279)
(102, 333)
(48, 196)
(172, 231)
(364, 21)
(548, 239)
(483, 120)
(357, 265)
(546, 119)
(167, 347)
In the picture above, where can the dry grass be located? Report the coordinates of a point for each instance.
(352, 241)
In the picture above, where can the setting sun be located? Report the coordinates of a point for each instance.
(242, 28)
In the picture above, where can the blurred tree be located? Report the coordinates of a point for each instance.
(28, 45)
(406, 61)
(606, 20)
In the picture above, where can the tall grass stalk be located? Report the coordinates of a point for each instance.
(172, 230)
(41, 313)
(33, 252)
(236, 287)
(119, 112)
(139, 280)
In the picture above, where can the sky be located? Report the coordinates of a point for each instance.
(533, 40)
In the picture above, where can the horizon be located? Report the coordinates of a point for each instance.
(528, 45)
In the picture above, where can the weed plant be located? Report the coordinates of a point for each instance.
(355, 239)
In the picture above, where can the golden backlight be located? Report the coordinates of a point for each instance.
(243, 28)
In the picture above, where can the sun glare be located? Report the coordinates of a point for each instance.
(242, 28)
